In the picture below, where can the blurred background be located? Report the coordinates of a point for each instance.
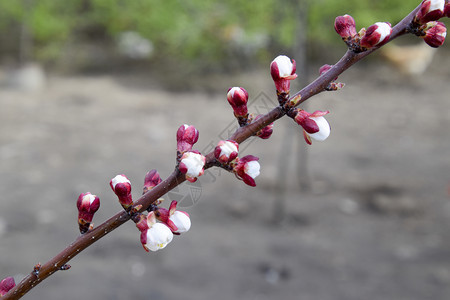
(94, 88)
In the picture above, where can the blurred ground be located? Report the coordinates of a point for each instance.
(374, 223)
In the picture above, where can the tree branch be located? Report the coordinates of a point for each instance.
(243, 133)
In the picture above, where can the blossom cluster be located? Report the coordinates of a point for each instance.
(375, 35)
(426, 24)
(314, 125)
(283, 71)
(159, 226)
(246, 168)
(191, 162)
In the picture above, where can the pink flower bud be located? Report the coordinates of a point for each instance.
(283, 71)
(238, 98)
(266, 132)
(187, 136)
(435, 34)
(122, 188)
(226, 151)
(87, 205)
(325, 68)
(314, 125)
(430, 10)
(192, 164)
(6, 284)
(376, 35)
(151, 180)
(154, 236)
(177, 221)
(345, 26)
(181, 220)
(247, 168)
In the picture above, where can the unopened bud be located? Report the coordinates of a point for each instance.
(314, 125)
(435, 34)
(345, 26)
(87, 205)
(6, 284)
(122, 188)
(226, 151)
(238, 98)
(265, 132)
(151, 180)
(177, 221)
(282, 70)
(247, 168)
(192, 164)
(187, 136)
(376, 35)
(430, 10)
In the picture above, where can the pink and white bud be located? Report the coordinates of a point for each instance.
(238, 98)
(181, 220)
(247, 168)
(192, 164)
(345, 26)
(430, 10)
(435, 34)
(376, 35)
(314, 125)
(187, 136)
(265, 132)
(87, 205)
(226, 151)
(122, 188)
(6, 284)
(283, 70)
(177, 221)
(151, 180)
(154, 236)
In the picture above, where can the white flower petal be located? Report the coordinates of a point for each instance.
(284, 64)
(158, 236)
(252, 168)
(324, 129)
(437, 5)
(181, 220)
(228, 148)
(383, 29)
(119, 179)
(194, 163)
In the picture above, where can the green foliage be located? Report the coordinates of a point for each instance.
(206, 29)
